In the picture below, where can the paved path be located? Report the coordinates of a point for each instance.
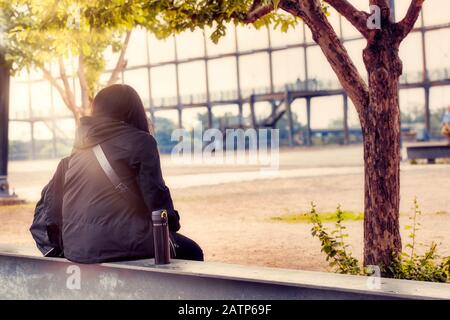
(28, 177)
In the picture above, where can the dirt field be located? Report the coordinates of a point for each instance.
(231, 221)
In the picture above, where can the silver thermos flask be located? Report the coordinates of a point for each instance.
(161, 236)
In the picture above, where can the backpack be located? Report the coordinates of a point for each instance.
(47, 221)
(46, 228)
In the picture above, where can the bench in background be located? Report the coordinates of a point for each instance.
(428, 150)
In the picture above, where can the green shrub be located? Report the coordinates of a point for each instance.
(406, 265)
(426, 267)
(333, 244)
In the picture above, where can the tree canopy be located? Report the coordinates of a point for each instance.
(44, 34)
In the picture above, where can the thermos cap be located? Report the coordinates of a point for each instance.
(159, 215)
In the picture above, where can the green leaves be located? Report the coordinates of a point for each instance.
(412, 266)
(405, 265)
(333, 244)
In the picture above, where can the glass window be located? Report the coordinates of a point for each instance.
(19, 131)
(439, 97)
(226, 110)
(250, 38)
(222, 76)
(263, 110)
(327, 112)
(438, 104)
(412, 103)
(19, 100)
(192, 78)
(163, 82)
(42, 131)
(66, 129)
(40, 98)
(298, 107)
(137, 48)
(226, 116)
(190, 44)
(161, 50)
(288, 66)
(192, 117)
(438, 52)
(436, 12)
(411, 55)
(138, 79)
(254, 71)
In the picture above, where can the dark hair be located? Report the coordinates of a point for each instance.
(121, 102)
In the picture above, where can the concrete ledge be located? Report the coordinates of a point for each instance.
(32, 277)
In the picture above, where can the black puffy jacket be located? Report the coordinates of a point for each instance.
(99, 223)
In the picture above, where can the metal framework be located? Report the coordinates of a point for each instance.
(280, 98)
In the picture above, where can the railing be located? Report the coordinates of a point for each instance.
(312, 85)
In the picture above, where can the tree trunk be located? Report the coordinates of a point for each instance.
(381, 132)
(377, 106)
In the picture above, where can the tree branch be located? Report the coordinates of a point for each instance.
(310, 11)
(121, 62)
(68, 91)
(357, 18)
(407, 24)
(85, 101)
(48, 76)
(258, 10)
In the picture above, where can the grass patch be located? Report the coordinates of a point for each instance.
(28, 205)
(324, 216)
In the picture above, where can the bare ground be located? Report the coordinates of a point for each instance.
(232, 221)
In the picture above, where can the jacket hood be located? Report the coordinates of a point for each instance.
(96, 130)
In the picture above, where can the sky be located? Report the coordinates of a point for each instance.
(288, 65)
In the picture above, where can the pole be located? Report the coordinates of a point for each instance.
(287, 101)
(346, 133)
(308, 121)
(4, 118)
